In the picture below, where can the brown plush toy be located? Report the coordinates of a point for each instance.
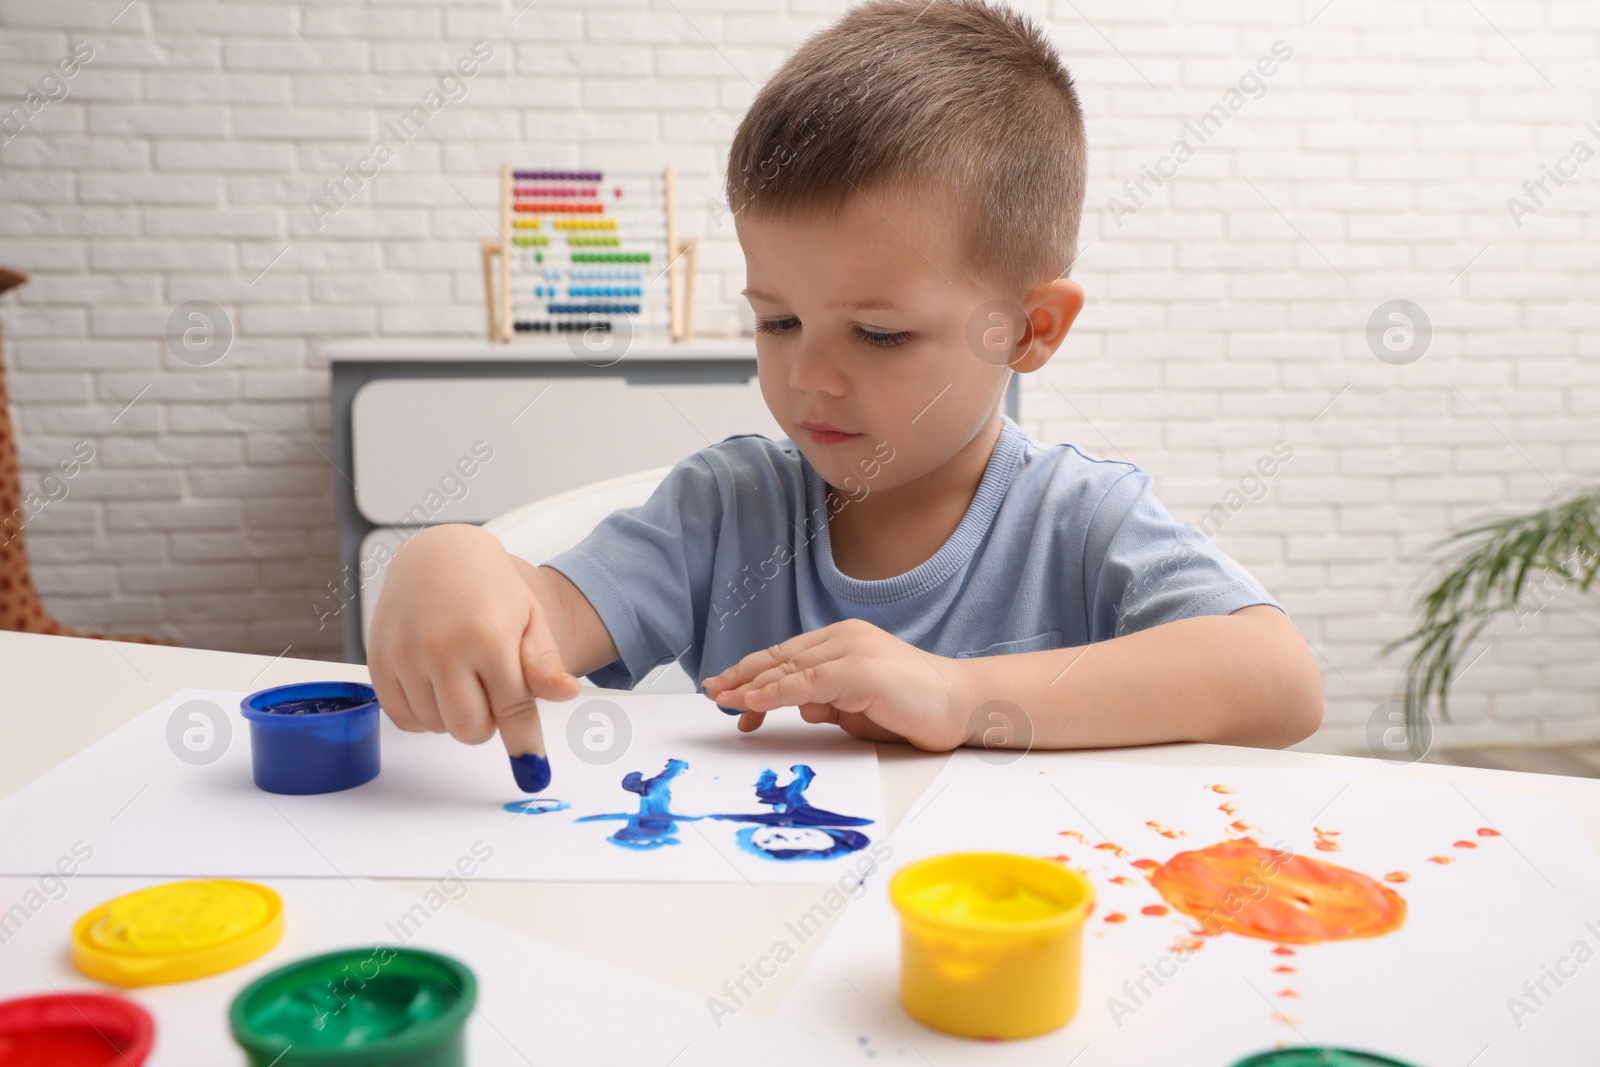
(20, 608)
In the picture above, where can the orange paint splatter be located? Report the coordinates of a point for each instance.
(1164, 831)
(1153, 909)
(1325, 842)
(1484, 831)
(1187, 944)
(1305, 901)
(1283, 950)
(1059, 859)
(1246, 839)
(1146, 865)
(1284, 968)
(1219, 789)
(1116, 917)
(1120, 879)
(1288, 993)
(1440, 860)
(1397, 876)
(1116, 850)
(1466, 844)
(1239, 826)
(1228, 808)
(1075, 835)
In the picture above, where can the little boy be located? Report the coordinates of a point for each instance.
(908, 564)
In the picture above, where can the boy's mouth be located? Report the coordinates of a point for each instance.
(826, 434)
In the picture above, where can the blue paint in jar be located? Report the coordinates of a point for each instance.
(313, 737)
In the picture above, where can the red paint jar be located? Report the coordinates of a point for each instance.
(74, 1030)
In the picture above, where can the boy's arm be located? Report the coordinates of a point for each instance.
(581, 637)
(1243, 679)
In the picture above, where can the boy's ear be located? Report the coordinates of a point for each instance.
(1052, 308)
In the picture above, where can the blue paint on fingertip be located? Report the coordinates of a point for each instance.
(532, 772)
(725, 711)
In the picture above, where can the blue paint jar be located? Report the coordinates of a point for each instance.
(313, 737)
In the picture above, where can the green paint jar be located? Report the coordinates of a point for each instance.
(369, 1007)
(1318, 1057)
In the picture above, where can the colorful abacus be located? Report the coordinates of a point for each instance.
(581, 249)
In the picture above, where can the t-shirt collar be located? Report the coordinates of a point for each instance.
(951, 556)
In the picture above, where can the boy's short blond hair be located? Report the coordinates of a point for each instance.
(956, 95)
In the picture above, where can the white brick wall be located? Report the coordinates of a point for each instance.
(1224, 315)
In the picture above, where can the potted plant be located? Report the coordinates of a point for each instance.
(1504, 565)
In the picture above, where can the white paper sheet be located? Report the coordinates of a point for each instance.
(536, 1003)
(1447, 987)
(142, 810)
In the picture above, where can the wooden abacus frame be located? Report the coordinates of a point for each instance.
(680, 257)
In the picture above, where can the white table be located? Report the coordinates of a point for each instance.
(61, 694)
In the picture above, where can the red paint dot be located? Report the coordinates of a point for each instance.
(1283, 950)
(1116, 917)
(1154, 909)
(1466, 844)
(1484, 831)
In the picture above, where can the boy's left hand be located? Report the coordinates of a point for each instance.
(872, 684)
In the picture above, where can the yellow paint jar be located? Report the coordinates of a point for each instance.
(991, 944)
(177, 932)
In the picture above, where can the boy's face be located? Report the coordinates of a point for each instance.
(864, 325)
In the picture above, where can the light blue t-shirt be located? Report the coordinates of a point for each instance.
(730, 555)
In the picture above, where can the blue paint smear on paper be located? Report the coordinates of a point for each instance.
(799, 842)
(654, 824)
(794, 829)
(536, 806)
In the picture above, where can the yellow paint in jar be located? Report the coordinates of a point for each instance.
(991, 944)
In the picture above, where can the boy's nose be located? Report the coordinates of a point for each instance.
(814, 369)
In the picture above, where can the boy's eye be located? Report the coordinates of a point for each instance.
(882, 340)
(776, 325)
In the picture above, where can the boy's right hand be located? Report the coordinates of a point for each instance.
(460, 644)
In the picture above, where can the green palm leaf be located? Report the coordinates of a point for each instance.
(1485, 573)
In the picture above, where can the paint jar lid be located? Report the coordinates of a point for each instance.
(177, 932)
(77, 1029)
(1318, 1057)
(357, 1006)
(993, 893)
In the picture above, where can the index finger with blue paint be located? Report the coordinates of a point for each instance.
(541, 674)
